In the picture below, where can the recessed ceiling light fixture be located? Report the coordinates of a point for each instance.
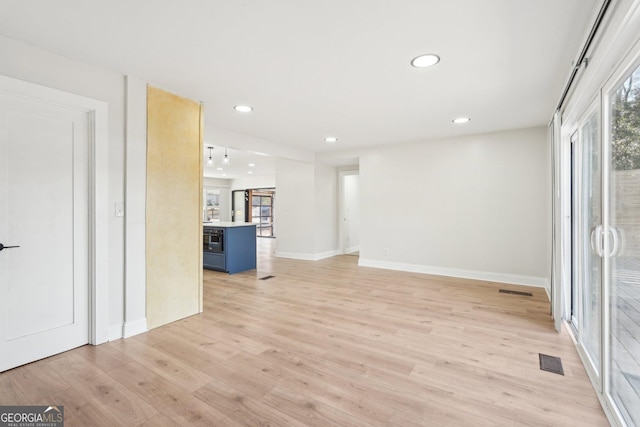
(250, 172)
(331, 139)
(243, 108)
(252, 165)
(461, 120)
(424, 61)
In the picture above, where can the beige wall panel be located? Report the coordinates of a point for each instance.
(174, 200)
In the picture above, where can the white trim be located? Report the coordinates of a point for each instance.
(115, 332)
(352, 249)
(486, 276)
(134, 328)
(308, 257)
(99, 187)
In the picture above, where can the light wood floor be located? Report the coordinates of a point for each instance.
(326, 343)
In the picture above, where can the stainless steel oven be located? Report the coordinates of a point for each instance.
(213, 240)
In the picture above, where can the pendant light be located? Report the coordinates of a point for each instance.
(226, 160)
(210, 160)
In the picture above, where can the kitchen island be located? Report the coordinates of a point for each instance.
(229, 246)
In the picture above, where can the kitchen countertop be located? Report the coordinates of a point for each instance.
(227, 224)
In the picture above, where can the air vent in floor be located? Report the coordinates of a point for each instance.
(551, 364)
(508, 291)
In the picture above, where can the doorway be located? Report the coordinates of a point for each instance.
(256, 205)
(349, 212)
(262, 211)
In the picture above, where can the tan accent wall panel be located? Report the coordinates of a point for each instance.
(174, 200)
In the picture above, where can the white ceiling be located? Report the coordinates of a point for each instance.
(328, 67)
(239, 164)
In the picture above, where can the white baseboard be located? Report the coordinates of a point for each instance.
(352, 249)
(513, 279)
(134, 328)
(115, 332)
(308, 257)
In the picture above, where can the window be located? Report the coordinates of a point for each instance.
(262, 212)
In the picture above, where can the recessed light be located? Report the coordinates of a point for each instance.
(331, 139)
(219, 169)
(243, 108)
(424, 61)
(461, 120)
(250, 172)
(252, 165)
(224, 174)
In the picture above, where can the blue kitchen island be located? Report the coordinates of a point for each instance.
(229, 246)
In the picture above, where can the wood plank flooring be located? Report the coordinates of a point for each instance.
(326, 343)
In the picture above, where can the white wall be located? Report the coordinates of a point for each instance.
(307, 210)
(32, 64)
(244, 183)
(295, 203)
(326, 210)
(475, 206)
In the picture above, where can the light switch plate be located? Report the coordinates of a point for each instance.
(119, 209)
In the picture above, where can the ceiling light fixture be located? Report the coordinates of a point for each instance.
(210, 160)
(331, 139)
(243, 108)
(252, 165)
(461, 120)
(424, 61)
(250, 172)
(226, 160)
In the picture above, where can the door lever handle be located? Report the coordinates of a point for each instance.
(2, 247)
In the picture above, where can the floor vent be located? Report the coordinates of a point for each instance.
(267, 277)
(551, 364)
(508, 291)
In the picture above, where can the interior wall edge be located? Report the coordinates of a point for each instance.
(135, 205)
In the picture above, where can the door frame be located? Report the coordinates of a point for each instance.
(342, 208)
(97, 112)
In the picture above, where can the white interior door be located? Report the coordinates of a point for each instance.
(44, 199)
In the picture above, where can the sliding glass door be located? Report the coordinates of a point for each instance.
(605, 288)
(624, 244)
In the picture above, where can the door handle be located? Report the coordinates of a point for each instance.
(597, 246)
(2, 247)
(616, 241)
